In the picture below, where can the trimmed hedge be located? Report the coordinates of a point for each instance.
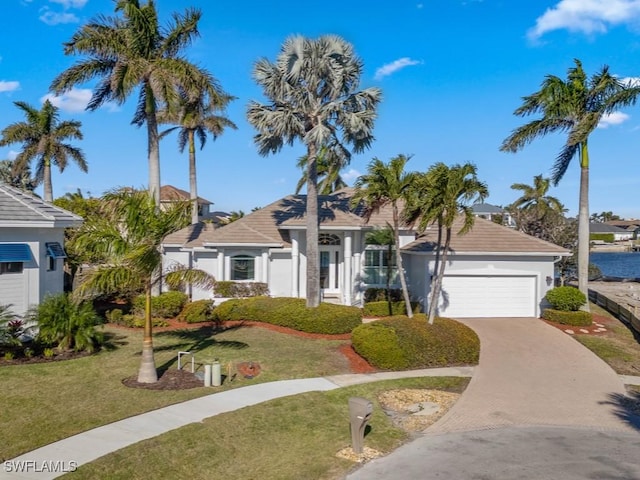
(195, 312)
(381, 309)
(165, 305)
(228, 289)
(568, 299)
(400, 343)
(605, 237)
(292, 313)
(575, 318)
(375, 294)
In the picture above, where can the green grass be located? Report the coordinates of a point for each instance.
(618, 347)
(45, 402)
(288, 438)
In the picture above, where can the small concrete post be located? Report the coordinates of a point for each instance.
(207, 375)
(216, 377)
(360, 411)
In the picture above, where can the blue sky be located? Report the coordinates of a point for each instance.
(451, 71)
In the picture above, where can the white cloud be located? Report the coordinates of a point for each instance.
(351, 175)
(631, 81)
(615, 118)
(394, 66)
(586, 16)
(9, 86)
(75, 100)
(53, 18)
(12, 155)
(70, 3)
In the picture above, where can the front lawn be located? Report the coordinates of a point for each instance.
(45, 402)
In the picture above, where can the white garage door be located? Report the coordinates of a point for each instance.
(488, 296)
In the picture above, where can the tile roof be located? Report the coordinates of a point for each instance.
(596, 227)
(18, 208)
(170, 193)
(485, 208)
(486, 237)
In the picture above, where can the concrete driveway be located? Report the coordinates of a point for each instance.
(539, 405)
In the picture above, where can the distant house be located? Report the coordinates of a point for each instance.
(628, 225)
(170, 194)
(619, 234)
(493, 271)
(31, 248)
(490, 212)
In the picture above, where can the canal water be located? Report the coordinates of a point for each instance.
(617, 264)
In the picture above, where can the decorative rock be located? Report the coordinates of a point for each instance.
(598, 325)
(584, 330)
(569, 331)
(423, 408)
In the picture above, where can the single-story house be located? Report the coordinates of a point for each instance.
(492, 271)
(619, 234)
(31, 248)
(628, 225)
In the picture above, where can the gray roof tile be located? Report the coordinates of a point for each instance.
(18, 208)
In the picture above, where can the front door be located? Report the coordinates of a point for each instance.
(330, 269)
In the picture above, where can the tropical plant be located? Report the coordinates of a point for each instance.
(387, 185)
(232, 217)
(312, 87)
(66, 323)
(604, 217)
(535, 197)
(8, 331)
(22, 180)
(196, 116)
(576, 106)
(441, 196)
(329, 162)
(43, 138)
(128, 235)
(132, 51)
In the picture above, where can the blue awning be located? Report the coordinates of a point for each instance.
(55, 250)
(15, 252)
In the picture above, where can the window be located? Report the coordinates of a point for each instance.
(377, 265)
(11, 267)
(328, 239)
(54, 251)
(242, 267)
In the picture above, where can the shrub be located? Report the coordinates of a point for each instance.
(114, 316)
(398, 343)
(67, 324)
(136, 321)
(165, 305)
(11, 326)
(198, 311)
(605, 237)
(380, 294)
(48, 353)
(227, 289)
(381, 309)
(566, 298)
(292, 313)
(575, 318)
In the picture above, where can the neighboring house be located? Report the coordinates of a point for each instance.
(170, 194)
(31, 248)
(628, 225)
(619, 234)
(492, 271)
(489, 212)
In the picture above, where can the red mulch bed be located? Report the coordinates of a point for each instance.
(590, 330)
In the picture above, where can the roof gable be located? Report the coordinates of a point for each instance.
(20, 209)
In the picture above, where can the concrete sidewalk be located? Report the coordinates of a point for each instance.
(88, 446)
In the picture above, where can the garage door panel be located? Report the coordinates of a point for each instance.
(488, 296)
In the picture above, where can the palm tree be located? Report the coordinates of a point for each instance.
(312, 88)
(383, 185)
(133, 51)
(196, 116)
(576, 106)
(21, 180)
(534, 197)
(43, 137)
(329, 162)
(128, 235)
(441, 196)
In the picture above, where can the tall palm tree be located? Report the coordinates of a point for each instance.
(441, 196)
(21, 180)
(328, 165)
(312, 87)
(196, 116)
(132, 52)
(575, 106)
(127, 236)
(43, 138)
(534, 197)
(383, 185)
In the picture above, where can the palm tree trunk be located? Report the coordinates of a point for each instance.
(583, 224)
(147, 372)
(438, 285)
(433, 301)
(153, 145)
(403, 280)
(193, 184)
(48, 188)
(313, 265)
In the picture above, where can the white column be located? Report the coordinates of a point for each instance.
(357, 269)
(265, 267)
(295, 265)
(221, 260)
(348, 279)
